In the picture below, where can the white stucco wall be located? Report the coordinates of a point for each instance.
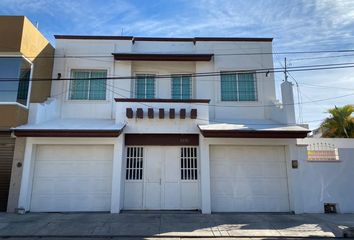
(204, 87)
(328, 181)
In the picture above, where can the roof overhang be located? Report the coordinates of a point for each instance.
(71, 128)
(66, 133)
(165, 39)
(161, 57)
(230, 131)
(253, 134)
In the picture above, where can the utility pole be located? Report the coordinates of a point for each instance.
(299, 100)
(285, 71)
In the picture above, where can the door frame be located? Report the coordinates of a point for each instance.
(162, 177)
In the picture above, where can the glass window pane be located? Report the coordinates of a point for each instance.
(186, 87)
(176, 87)
(247, 87)
(23, 86)
(145, 86)
(98, 86)
(16, 72)
(150, 87)
(228, 87)
(181, 87)
(79, 86)
(140, 87)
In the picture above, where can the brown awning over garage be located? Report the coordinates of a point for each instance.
(71, 128)
(254, 131)
(66, 133)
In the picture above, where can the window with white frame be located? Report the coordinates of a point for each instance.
(145, 86)
(134, 160)
(238, 86)
(189, 166)
(181, 86)
(88, 85)
(17, 73)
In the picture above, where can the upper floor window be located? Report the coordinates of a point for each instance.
(88, 85)
(17, 73)
(238, 87)
(181, 86)
(145, 86)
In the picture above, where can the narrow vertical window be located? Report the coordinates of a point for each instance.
(189, 166)
(181, 86)
(247, 87)
(145, 86)
(134, 166)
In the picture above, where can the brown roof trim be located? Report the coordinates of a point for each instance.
(165, 39)
(253, 134)
(231, 39)
(161, 57)
(66, 133)
(162, 100)
(84, 37)
(5, 132)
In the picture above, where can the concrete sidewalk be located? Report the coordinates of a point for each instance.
(170, 225)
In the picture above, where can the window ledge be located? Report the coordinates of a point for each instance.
(324, 161)
(231, 103)
(88, 101)
(14, 103)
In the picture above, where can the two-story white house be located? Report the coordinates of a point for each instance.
(137, 123)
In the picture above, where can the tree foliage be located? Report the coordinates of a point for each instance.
(340, 124)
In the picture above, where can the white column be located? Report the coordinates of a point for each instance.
(205, 176)
(288, 102)
(117, 188)
(26, 181)
(294, 176)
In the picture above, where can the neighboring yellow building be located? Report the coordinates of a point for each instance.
(25, 54)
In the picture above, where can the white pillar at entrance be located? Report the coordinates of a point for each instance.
(299, 153)
(205, 176)
(26, 183)
(117, 188)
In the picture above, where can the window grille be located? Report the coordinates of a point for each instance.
(134, 168)
(181, 86)
(88, 85)
(322, 152)
(145, 86)
(189, 167)
(238, 86)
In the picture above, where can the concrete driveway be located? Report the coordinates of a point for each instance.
(172, 225)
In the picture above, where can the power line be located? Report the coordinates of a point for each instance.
(208, 74)
(310, 58)
(237, 106)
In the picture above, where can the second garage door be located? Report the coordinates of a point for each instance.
(72, 178)
(248, 179)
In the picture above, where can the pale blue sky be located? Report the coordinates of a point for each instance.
(295, 25)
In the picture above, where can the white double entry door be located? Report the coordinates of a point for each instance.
(161, 178)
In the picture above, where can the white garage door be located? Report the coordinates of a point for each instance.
(248, 179)
(72, 178)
